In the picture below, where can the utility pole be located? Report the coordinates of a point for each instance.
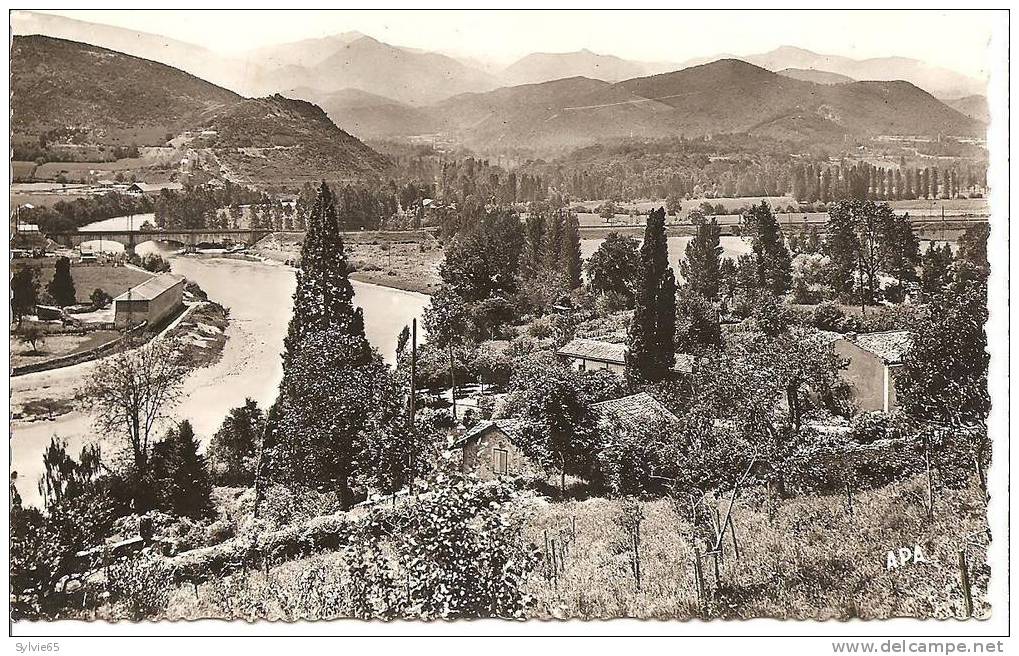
(413, 369)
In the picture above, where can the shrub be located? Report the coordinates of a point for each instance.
(100, 299)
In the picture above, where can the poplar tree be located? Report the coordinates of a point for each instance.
(572, 261)
(700, 267)
(772, 259)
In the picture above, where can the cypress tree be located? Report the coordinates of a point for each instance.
(61, 287)
(645, 360)
(334, 383)
(323, 299)
(571, 250)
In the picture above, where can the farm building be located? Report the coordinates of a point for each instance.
(593, 354)
(873, 360)
(490, 450)
(153, 301)
(148, 188)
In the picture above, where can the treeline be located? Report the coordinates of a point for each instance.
(68, 216)
(818, 182)
(474, 178)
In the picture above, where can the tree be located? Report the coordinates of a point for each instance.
(333, 381)
(772, 259)
(673, 204)
(61, 287)
(558, 426)
(697, 323)
(935, 269)
(864, 240)
(233, 450)
(33, 335)
(572, 261)
(181, 474)
(128, 395)
(24, 292)
(613, 268)
(700, 267)
(649, 356)
(100, 299)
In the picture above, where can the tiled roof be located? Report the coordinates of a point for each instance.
(510, 427)
(151, 288)
(634, 411)
(890, 345)
(592, 349)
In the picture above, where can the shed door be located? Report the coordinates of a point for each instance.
(500, 461)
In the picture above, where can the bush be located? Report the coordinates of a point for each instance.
(100, 299)
(139, 587)
(829, 316)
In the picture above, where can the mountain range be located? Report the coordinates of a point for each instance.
(417, 77)
(375, 90)
(723, 96)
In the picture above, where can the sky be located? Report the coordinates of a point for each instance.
(953, 39)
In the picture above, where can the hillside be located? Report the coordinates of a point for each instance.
(367, 115)
(815, 76)
(266, 140)
(408, 76)
(721, 97)
(93, 97)
(109, 97)
(938, 81)
(546, 66)
(973, 106)
(223, 71)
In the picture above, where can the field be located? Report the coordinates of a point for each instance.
(58, 345)
(114, 280)
(810, 557)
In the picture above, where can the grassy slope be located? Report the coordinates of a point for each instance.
(811, 560)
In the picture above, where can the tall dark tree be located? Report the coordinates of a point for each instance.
(24, 292)
(700, 267)
(646, 359)
(935, 270)
(323, 297)
(773, 262)
(61, 287)
(333, 381)
(572, 261)
(181, 474)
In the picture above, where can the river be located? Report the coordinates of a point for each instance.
(259, 296)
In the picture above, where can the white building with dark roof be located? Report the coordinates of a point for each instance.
(594, 354)
(151, 302)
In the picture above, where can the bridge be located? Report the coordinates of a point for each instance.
(131, 238)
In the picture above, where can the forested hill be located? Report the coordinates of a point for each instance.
(726, 96)
(109, 95)
(92, 96)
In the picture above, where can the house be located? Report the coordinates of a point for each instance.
(634, 412)
(153, 301)
(148, 188)
(873, 360)
(490, 450)
(593, 354)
